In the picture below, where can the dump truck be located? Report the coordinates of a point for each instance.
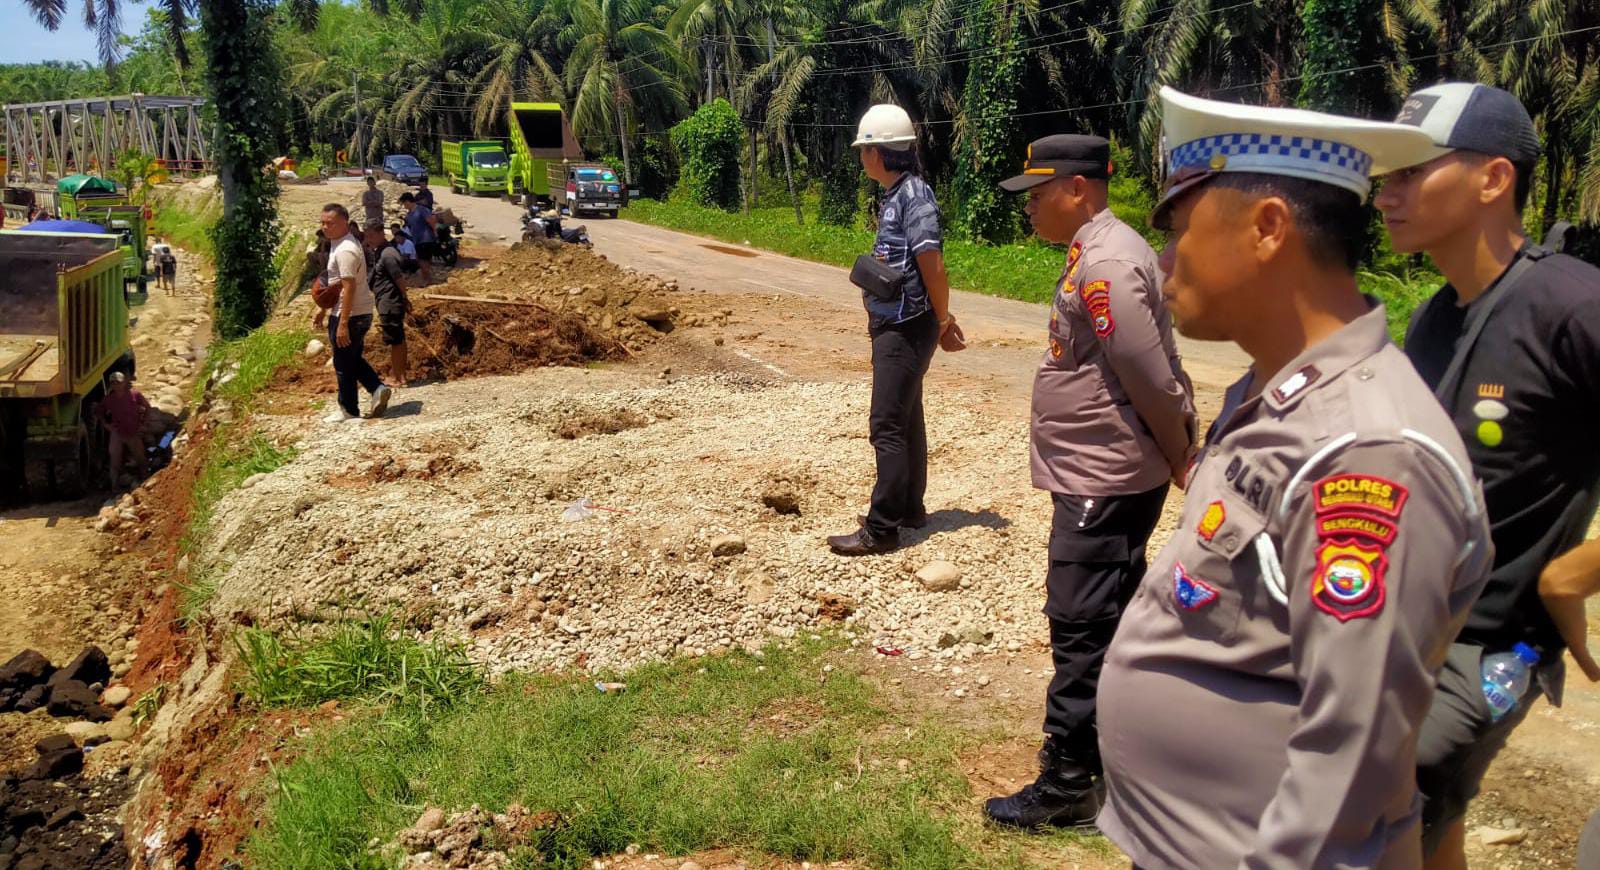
(77, 192)
(127, 223)
(588, 188)
(479, 166)
(540, 136)
(63, 330)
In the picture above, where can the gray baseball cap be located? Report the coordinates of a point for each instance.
(1465, 116)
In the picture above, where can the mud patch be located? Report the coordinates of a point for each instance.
(724, 249)
(462, 339)
(600, 424)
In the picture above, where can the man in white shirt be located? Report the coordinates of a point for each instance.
(352, 317)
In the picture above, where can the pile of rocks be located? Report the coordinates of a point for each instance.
(714, 538)
(52, 817)
(78, 690)
(473, 839)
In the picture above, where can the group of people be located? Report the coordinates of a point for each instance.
(418, 234)
(1295, 680)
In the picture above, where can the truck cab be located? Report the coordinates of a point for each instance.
(593, 188)
(475, 167)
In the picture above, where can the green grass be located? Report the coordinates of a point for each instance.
(1401, 293)
(1026, 271)
(754, 753)
(259, 356)
(187, 229)
(371, 660)
(230, 463)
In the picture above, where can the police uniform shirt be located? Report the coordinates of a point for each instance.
(1113, 411)
(1528, 407)
(908, 225)
(1241, 729)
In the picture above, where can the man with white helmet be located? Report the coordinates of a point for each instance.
(907, 296)
(1260, 703)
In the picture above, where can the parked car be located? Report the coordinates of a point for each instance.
(404, 168)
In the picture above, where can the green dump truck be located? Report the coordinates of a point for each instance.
(540, 137)
(78, 192)
(479, 166)
(127, 223)
(63, 330)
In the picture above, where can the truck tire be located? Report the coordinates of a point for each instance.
(13, 460)
(612, 214)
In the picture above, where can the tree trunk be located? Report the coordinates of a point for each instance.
(750, 195)
(788, 175)
(1553, 159)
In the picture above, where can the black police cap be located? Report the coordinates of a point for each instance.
(1062, 156)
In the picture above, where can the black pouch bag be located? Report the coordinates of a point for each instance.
(877, 278)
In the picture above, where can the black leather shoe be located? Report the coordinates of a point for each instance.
(1048, 803)
(915, 522)
(862, 543)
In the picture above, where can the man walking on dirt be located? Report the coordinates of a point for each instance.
(1511, 347)
(124, 411)
(421, 227)
(352, 318)
(386, 272)
(372, 202)
(1113, 425)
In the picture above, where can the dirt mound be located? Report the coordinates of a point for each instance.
(457, 339)
(631, 307)
(600, 424)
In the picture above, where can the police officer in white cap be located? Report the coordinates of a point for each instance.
(1259, 705)
(908, 315)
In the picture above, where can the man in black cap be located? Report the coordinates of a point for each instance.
(1113, 423)
(1511, 347)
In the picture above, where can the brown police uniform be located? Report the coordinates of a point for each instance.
(1113, 416)
(1247, 722)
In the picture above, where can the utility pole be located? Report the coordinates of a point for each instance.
(361, 150)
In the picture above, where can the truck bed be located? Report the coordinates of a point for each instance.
(29, 359)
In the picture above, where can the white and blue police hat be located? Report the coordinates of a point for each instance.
(1206, 138)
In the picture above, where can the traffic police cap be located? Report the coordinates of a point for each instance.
(1062, 156)
(1467, 116)
(1207, 138)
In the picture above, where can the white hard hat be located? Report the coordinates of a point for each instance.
(886, 125)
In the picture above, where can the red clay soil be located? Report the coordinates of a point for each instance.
(460, 339)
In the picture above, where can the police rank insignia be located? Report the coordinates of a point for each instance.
(1189, 593)
(1211, 520)
(1357, 518)
(1097, 298)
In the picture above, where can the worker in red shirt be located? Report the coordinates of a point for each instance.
(124, 411)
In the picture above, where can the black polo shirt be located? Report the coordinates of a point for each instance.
(1528, 407)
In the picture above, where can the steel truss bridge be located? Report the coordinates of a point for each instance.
(49, 141)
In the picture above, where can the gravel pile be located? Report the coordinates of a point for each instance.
(709, 505)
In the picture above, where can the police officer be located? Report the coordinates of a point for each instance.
(1260, 702)
(1511, 347)
(1113, 423)
(905, 328)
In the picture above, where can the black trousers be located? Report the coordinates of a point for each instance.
(1097, 558)
(350, 366)
(901, 353)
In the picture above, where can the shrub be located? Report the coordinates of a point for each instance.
(708, 144)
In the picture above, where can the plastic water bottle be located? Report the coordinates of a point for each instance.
(1506, 676)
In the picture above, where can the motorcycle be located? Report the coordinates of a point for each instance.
(449, 245)
(538, 224)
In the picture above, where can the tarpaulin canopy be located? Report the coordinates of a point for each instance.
(64, 227)
(80, 183)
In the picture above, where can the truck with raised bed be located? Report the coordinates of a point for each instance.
(478, 166)
(63, 330)
(540, 138)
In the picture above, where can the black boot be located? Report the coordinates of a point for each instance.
(1067, 794)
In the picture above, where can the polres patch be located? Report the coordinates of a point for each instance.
(1188, 592)
(1361, 492)
(1348, 582)
(1097, 298)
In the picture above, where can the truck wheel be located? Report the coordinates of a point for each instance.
(612, 214)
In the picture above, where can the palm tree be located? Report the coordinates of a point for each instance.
(522, 39)
(622, 70)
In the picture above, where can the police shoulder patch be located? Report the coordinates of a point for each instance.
(1348, 581)
(1360, 492)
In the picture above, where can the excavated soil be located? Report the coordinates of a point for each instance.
(462, 339)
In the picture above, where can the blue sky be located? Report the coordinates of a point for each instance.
(26, 41)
